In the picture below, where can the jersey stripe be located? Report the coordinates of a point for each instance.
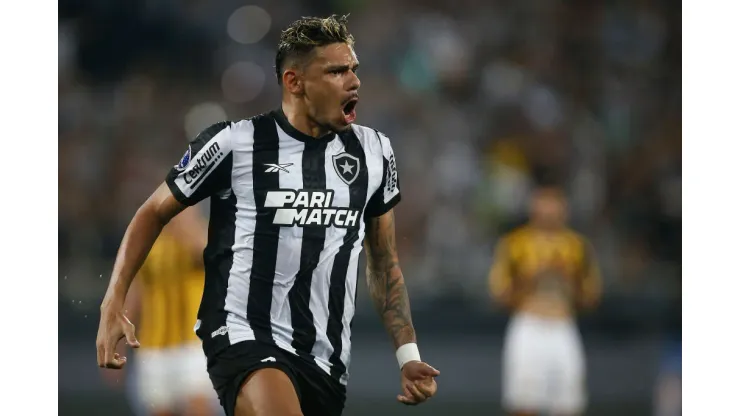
(219, 260)
(288, 256)
(350, 299)
(245, 215)
(312, 244)
(266, 235)
(320, 284)
(338, 285)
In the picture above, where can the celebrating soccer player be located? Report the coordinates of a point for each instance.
(294, 194)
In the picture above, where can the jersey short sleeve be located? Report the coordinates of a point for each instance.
(205, 168)
(389, 192)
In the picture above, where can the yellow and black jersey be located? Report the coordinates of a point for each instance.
(523, 255)
(171, 282)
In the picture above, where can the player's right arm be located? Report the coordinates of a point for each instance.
(500, 280)
(204, 170)
(139, 238)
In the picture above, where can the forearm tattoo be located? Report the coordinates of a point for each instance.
(385, 280)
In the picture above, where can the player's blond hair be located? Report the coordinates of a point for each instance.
(299, 39)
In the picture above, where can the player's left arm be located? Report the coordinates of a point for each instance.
(387, 286)
(385, 279)
(390, 297)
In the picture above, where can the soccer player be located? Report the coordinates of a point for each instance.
(171, 375)
(294, 194)
(544, 273)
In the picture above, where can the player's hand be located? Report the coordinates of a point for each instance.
(417, 382)
(115, 378)
(114, 326)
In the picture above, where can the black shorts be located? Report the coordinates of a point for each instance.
(319, 393)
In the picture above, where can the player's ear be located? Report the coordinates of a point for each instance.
(292, 81)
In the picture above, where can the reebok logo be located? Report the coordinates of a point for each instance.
(277, 167)
(309, 208)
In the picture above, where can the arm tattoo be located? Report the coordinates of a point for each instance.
(385, 280)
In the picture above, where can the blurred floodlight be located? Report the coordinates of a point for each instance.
(201, 116)
(248, 24)
(242, 82)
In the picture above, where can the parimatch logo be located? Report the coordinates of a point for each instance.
(306, 208)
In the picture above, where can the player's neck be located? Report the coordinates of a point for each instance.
(298, 118)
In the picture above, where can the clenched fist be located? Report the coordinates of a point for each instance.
(417, 382)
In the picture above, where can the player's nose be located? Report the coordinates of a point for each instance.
(354, 82)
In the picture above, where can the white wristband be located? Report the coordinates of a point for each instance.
(407, 352)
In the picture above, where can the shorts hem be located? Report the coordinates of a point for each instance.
(241, 379)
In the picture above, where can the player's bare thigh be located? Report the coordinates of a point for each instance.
(267, 392)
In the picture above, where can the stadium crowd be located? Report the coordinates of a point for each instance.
(481, 99)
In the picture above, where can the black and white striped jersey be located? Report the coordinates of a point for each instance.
(286, 230)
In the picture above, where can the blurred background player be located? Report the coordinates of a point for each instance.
(544, 272)
(170, 376)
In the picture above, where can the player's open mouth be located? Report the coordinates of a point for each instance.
(349, 110)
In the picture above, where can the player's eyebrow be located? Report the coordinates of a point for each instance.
(341, 67)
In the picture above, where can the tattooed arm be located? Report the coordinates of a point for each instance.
(385, 280)
(388, 292)
(387, 287)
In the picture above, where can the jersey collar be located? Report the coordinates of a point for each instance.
(293, 132)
